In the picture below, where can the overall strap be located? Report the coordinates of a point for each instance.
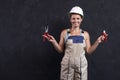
(81, 32)
(67, 34)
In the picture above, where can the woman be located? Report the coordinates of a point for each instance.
(77, 42)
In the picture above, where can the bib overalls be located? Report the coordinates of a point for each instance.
(74, 63)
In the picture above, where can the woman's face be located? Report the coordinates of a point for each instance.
(75, 20)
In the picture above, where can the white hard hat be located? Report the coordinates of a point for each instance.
(77, 10)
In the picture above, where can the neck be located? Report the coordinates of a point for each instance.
(75, 29)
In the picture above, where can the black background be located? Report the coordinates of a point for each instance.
(24, 55)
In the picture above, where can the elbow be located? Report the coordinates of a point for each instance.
(89, 51)
(60, 51)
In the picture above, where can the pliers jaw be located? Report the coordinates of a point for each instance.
(46, 34)
(46, 29)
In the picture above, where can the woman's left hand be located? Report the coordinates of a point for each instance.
(103, 37)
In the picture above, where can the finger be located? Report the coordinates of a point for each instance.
(106, 34)
(46, 37)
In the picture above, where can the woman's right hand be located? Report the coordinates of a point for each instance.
(49, 37)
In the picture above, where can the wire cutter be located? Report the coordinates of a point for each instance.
(105, 35)
(46, 33)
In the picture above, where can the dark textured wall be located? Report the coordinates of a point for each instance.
(23, 54)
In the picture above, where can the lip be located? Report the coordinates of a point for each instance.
(75, 24)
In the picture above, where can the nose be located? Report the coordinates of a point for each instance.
(76, 20)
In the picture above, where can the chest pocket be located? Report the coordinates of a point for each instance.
(76, 39)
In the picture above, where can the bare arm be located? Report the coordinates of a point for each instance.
(58, 46)
(91, 48)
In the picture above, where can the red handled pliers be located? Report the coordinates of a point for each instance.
(46, 33)
(105, 35)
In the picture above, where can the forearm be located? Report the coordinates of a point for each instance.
(89, 48)
(57, 47)
(93, 47)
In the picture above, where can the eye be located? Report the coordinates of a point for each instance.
(73, 18)
(78, 18)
